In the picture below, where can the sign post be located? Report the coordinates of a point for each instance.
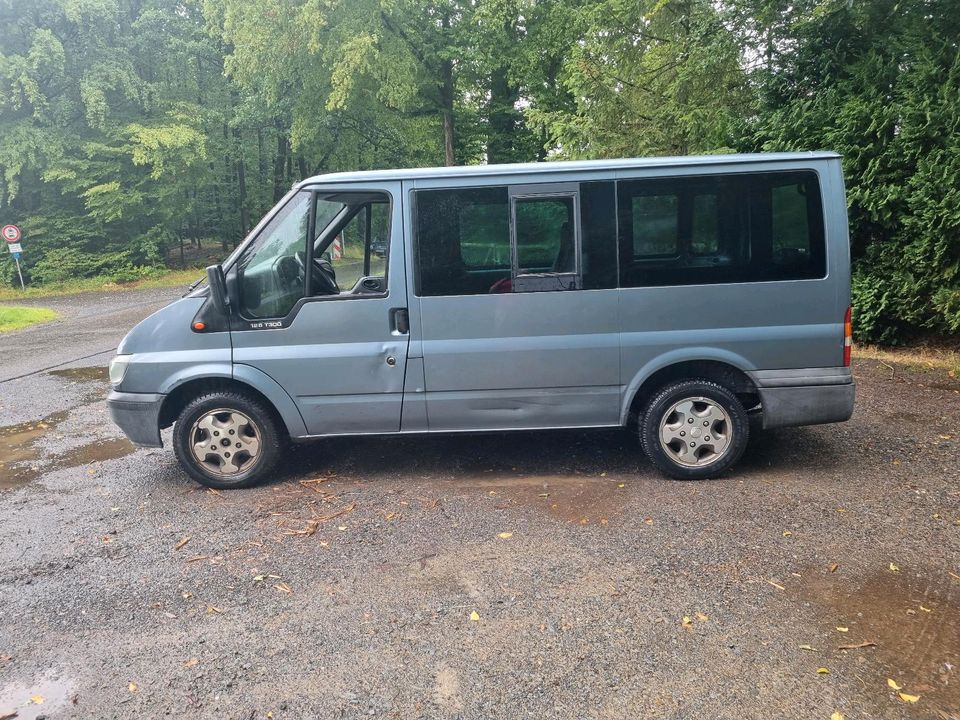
(11, 233)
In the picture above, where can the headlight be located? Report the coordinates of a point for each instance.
(118, 368)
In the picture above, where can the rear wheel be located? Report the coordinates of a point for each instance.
(694, 429)
(227, 440)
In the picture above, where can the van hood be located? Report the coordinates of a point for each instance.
(170, 329)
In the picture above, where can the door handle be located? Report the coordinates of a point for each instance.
(400, 321)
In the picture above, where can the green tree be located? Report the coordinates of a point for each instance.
(879, 82)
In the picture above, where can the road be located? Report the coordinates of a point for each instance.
(533, 575)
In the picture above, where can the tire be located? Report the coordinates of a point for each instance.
(694, 429)
(238, 436)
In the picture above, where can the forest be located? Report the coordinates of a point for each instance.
(137, 135)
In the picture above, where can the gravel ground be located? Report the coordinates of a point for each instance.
(530, 575)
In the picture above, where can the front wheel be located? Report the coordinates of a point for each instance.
(227, 440)
(694, 429)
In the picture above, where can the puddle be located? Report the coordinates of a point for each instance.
(85, 374)
(43, 698)
(93, 452)
(19, 454)
(17, 449)
(584, 499)
(919, 647)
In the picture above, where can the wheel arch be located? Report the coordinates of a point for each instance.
(245, 379)
(726, 369)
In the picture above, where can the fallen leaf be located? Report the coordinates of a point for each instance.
(787, 533)
(837, 716)
(841, 510)
(925, 609)
(823, 671)
(505, 535)
(132, 687)
(182, 543)
(191, 662)
(390, 515)
(833, 567)
(212, 609)
(842, 629)
(649, 521)
(893, 684)
(908, 698)
(475, 616)
(894, 568)
(701, 617)
(869, 643)
(622, 485)
(807, 647)
(37, 699)
(686, 622)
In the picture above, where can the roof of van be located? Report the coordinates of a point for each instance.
(564, 166)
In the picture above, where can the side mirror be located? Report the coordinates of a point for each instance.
(218, 288)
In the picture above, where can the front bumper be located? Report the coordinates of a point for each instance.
(138, 415)
(809, 396)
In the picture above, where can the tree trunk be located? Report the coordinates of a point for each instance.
(241, 185)
(502, 121)
(279, 190)
(447, 94)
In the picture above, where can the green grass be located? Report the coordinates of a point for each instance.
(14, 317)
(173, 278)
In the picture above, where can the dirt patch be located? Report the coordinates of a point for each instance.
(914, 619)
(583, 499)
(83, 374)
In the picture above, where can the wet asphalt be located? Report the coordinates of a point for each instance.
(531, 575)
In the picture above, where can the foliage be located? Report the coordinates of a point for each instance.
(879, 82)
(131, 130)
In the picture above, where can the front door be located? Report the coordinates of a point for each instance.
(518, 306)
(320, 307)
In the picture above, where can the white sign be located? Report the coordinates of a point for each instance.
(11, 233)
(15, 247)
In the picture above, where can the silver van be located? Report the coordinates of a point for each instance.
(676, 296)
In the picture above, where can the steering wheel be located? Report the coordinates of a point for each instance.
(324, 277)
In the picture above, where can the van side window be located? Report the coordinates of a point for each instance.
(720, 229)
(271, 271)
(463, 240)
(349, 256)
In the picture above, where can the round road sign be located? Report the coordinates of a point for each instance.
(11, 233)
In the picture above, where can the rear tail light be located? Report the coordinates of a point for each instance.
(847, 338)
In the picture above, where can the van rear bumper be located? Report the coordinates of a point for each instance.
(809, 396)
(138, 415)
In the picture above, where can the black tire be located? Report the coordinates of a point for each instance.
(735, 428)
(263, 425)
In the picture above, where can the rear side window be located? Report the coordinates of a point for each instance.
(720, 229)
(464, 246)
(463, 240)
